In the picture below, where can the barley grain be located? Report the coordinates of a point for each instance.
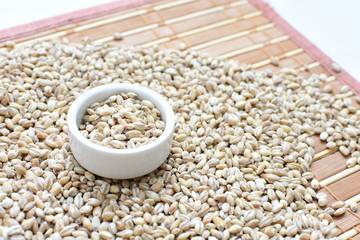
(339, 212)
(118, 36)
(335, 67)
(354, 206)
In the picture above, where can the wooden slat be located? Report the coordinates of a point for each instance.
(215, 33)
(346, 187)
(347, 221)
(184, 9)
(340, 175)
(357, 237)
(197, 22)
(321, 168)
(120, 26)
(319, 144)
(171, 4)
(136, 39)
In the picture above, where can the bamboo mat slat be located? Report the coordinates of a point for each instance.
(319, 144)
(347, 221)
(357, 237)
(347, 187)
(321, 169)
(232, 29)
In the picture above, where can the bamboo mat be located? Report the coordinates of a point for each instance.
(239, 30)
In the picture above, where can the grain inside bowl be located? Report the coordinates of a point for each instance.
(239, 166)
(122, 122)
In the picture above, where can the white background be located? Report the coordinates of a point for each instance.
(332, 25)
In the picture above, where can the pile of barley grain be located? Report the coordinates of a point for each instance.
(239, 165)
(122, 121)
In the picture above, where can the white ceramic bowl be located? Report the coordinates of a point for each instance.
(119, 163)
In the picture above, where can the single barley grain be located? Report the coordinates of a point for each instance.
(335, 67)
(354, 206)
(118, 36)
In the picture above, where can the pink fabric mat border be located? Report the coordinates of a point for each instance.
(305, 44)
(68, 18)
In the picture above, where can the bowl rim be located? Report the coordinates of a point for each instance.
(85, 97)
